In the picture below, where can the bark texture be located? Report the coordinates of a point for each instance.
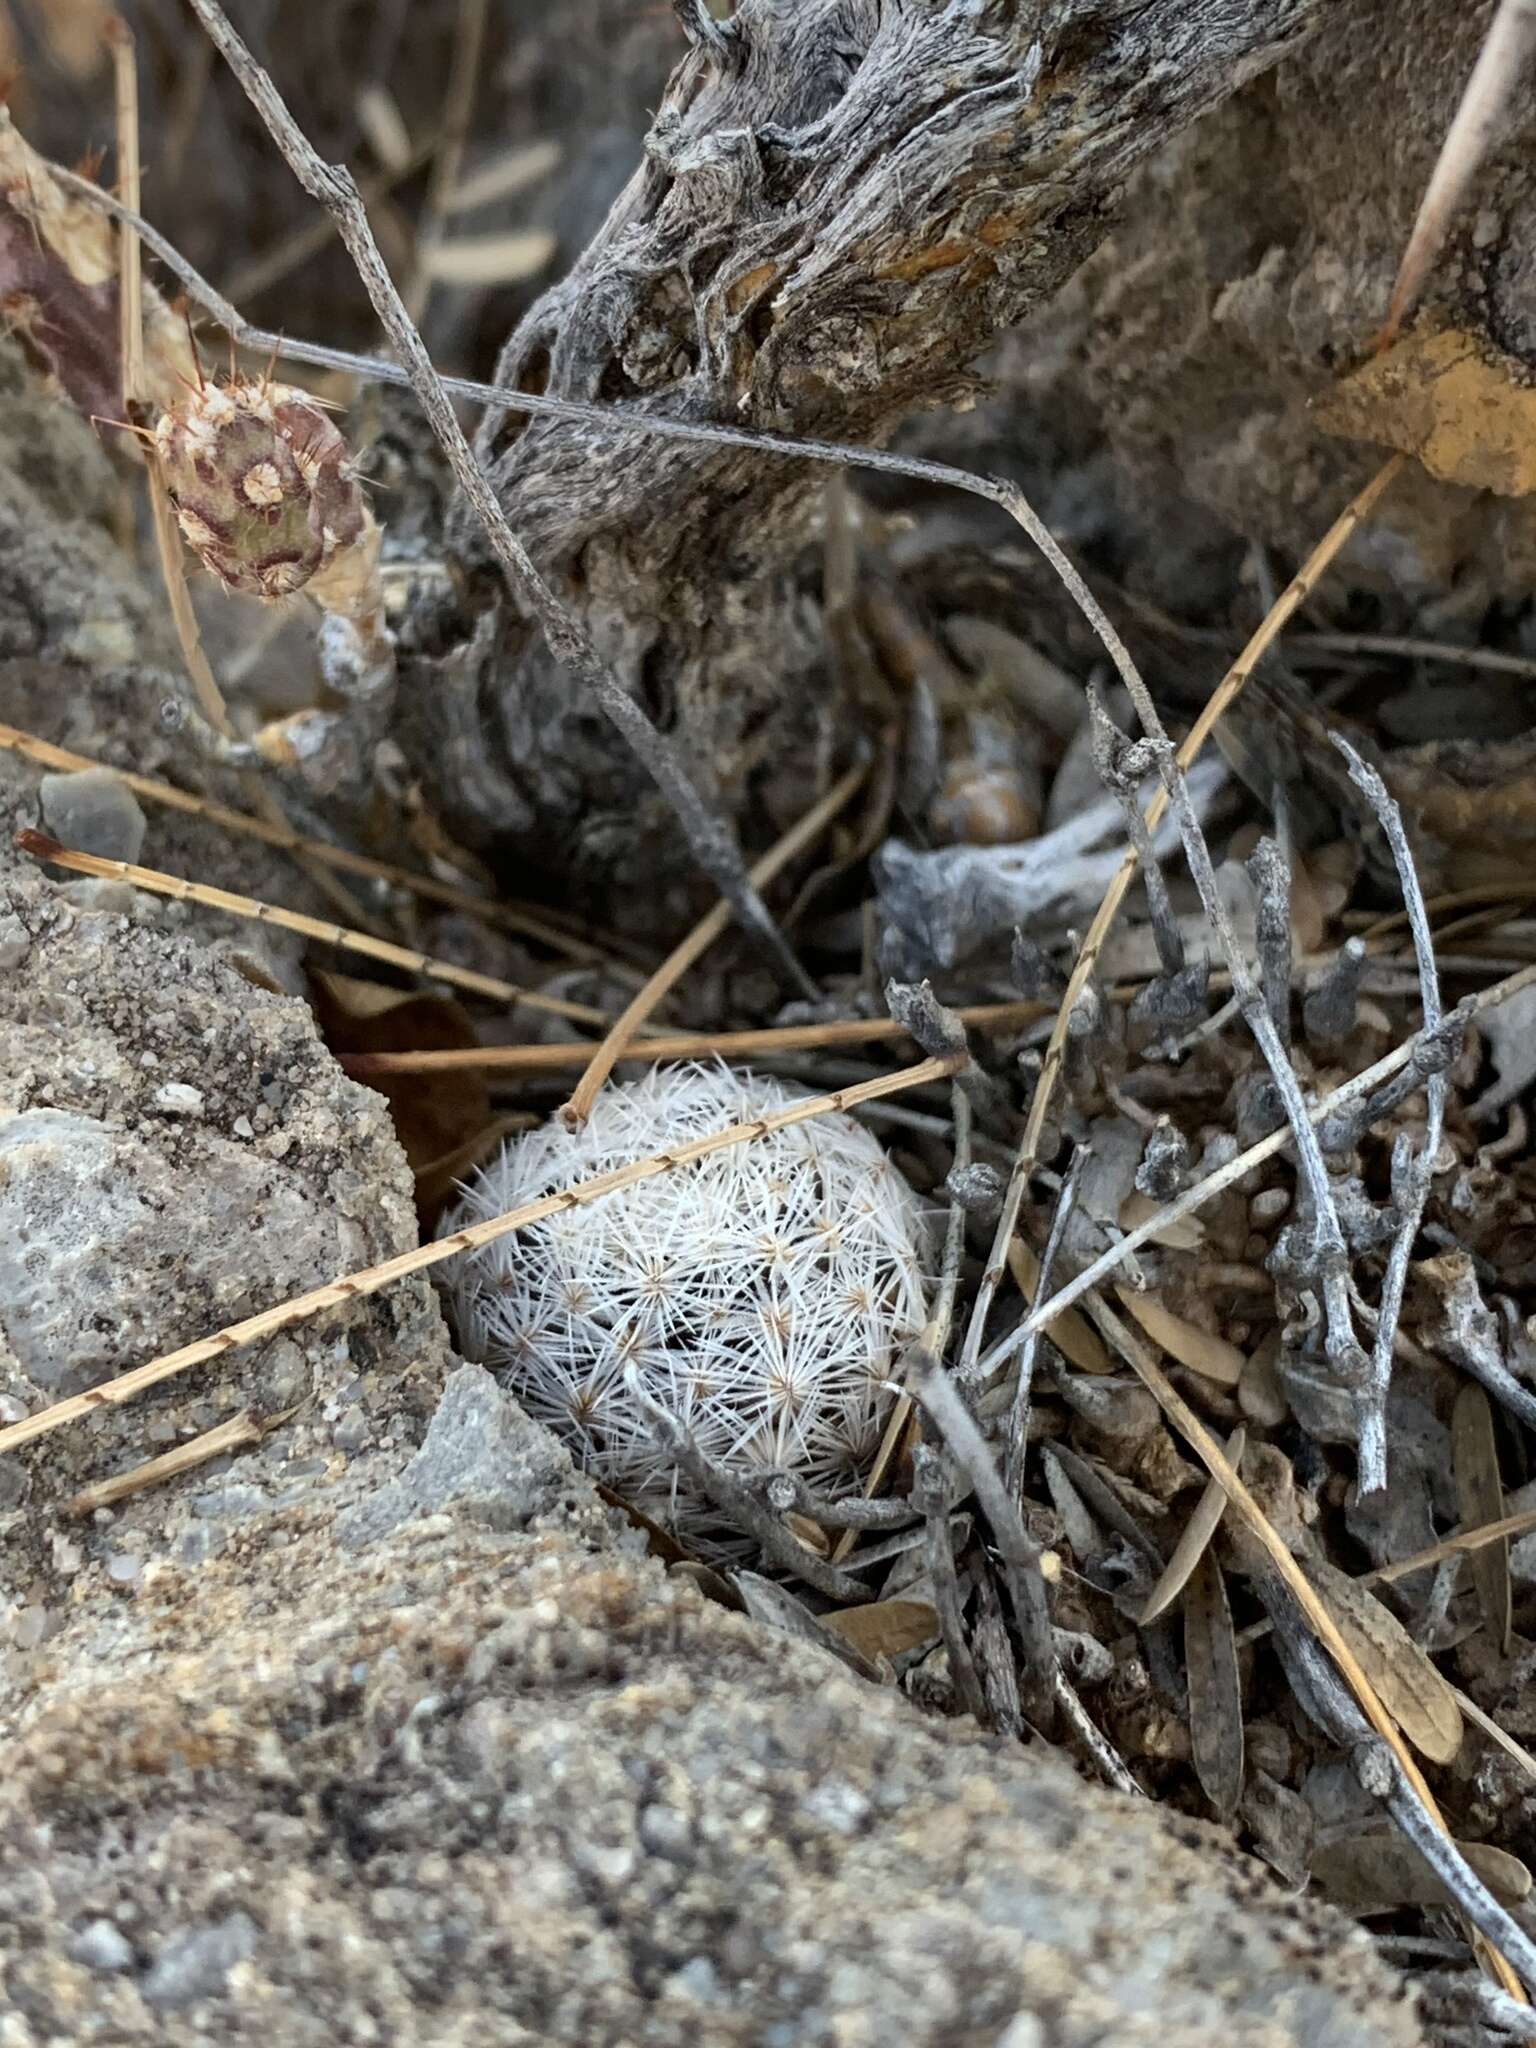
(839, 206)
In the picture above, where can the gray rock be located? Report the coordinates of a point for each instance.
(481, 1453)
(100, 1946)
(93, 811)
(477, 1787)
(194, 1964)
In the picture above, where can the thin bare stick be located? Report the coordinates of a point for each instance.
(725, 1045)
(1329, 1265)
(1018, 1414)
(710, 840)
(1359, 1088)
(372, 1279)
(1138, 1356)
(1378, 1766)
(1474, 129)
(130, 287)
(278, 832)
(1411, 1183)
(931, 1493)
(235, 1435)
(1111, 1765)
(704, 934)
(458, 112)
(737, 1501)
(1306, 645)
(41, 847)
(1021, 1558)
(1226, 692)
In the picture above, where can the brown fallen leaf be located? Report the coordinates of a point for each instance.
(1184, 1234)
(1413, 1692)
(435, 1115)
(1077, 1343)
(1465, 410)
(1192, 1545)
(1379, 1871)
(886, 1628)
(1480, 1499)
(1215, 1689)
(1201, 1350)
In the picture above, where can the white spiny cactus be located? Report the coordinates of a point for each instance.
(762, 1292)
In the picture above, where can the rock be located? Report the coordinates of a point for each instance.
(195, 1965)
(468, 1786)
(100, 1946)
(481, 1454)
(134, 1217)
(93, 811)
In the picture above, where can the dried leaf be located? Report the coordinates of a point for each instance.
(1184, 1234)
(505, 176)
(1464, 409)
(1077, 1343)
(1215, 1690)
(491, 259)
(886, 1628)
(1480, 1499)
(379, 117)
(1379, 1871)
(1198, 1531)
(1201, 1350)
(1410, 1688)
(435, 1115)
(1078, 1525)
(1281, 1825)
(776, 1608)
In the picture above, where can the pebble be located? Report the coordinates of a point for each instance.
(176, 1098)
(94, 811)
(101, 1946)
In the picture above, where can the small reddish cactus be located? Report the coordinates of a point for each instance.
(262, 484)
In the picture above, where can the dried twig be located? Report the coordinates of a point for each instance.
(712, 844)
(1475, 127)
(1359, 1088)
(725, 1045)
(372, 1279)
(931, 1493)
(1378, 1768)
(1021, 1557)
(235, 1435)
(1327, 1270)
(41, 847)
(278, 832)
(1018, 1415)
(738, 1502)
(704, 934)
(1227, 690)
(448, 159)
(1410, 1183)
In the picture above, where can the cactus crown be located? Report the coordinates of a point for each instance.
(262, 484)
(763, 1293)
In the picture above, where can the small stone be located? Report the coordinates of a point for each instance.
(194, 1964)
(15, 940)
(177, 1098)
(123, 1568)
(93, 811)
(101, 1946)
(242, 1127)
